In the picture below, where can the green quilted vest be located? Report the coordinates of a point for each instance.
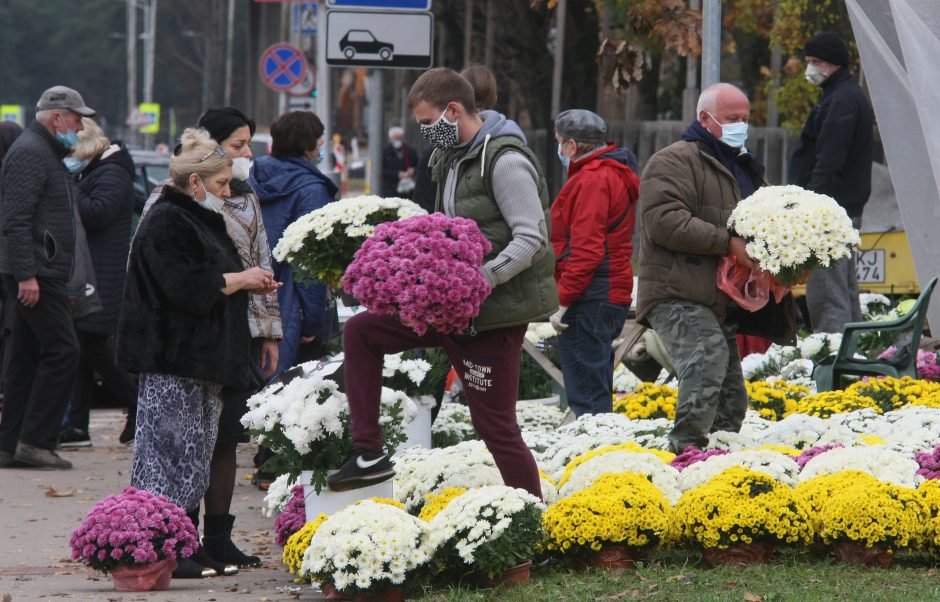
(531, 295)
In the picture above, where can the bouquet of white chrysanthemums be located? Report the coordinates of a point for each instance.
(322, 243)
(790, 230)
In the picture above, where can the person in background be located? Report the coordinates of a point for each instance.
(483, 83)
(398, 165)
(105, 197)
(833, 157)
(289, 185)
(232, 130)
(37, 242)
(592, 235)
(183, 329)
(9, 132)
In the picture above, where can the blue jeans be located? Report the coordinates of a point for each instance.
(587, 355)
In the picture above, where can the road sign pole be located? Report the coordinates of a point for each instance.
(376, 139)
(324, 96)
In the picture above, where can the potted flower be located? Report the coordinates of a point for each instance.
(866, 521)
(618, 520)
(369, 550)
(452, 426)
(321, 244)
(306, 424)
(736, 517)
(418, 474)
(648, 401)
(137, 537)
(490, 531)
(425, 270)
(584, 470)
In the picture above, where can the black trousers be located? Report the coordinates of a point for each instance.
(99, 356)
(43, 357)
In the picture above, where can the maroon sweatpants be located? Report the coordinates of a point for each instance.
(488, 366)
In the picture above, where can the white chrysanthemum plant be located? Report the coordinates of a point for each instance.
(878, 461)
(487, 530)
(664, 476)
(777, 465)
(305, 422)
(790, 230)
(539, 417)
(452, 425)
(321, 244)
(278, 494)
(367, 548)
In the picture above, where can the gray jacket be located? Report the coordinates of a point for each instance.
(37, 228)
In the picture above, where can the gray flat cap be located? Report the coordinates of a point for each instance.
(581, 125)
(60, 97)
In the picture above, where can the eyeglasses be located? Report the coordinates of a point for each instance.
(217, 150)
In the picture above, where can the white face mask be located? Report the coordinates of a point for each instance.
(241, 168)
(815, 75)
(211, 202)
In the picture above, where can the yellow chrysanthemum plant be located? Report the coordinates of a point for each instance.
(872, 513)
(929, 492)
(774, 400)
(894, 393)
(648, 401)
(298, 543)
(739, 507)
(618, 509)
(436, 502)
(824, 405)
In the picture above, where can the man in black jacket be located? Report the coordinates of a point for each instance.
(833, 157)
(37, 240)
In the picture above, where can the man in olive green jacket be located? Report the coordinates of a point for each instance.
(687, 193)
(483, 172)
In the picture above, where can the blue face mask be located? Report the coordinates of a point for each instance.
(67, 138)
(74, 165)
(565, 161)
(733, 134)
(315, 161)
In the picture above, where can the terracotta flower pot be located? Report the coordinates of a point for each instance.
(389, 594)
(857, 553)
(512, 576)
(148, 577)
(744, 554)
(612, 557)
(330, 592)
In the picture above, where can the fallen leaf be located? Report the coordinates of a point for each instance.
(749, 597)
(53, 492)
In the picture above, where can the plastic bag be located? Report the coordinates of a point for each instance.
(750, 289)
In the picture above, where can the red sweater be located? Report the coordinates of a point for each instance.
(597, 205)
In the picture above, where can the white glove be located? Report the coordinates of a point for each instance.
(557, 324)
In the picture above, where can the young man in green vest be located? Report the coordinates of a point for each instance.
(483, 172)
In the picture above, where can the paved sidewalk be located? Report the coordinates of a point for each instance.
(35, 525)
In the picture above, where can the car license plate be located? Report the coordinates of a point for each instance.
(870, 265)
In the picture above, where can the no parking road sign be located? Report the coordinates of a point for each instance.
(283, 67)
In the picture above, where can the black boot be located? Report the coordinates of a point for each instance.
(218, 544)
(201, 559)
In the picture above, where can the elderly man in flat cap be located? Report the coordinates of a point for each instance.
(37, 240)
(592, 236)
(833, 156)
(687, 193)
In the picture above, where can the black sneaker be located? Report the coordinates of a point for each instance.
(361, 469)
(74, 437)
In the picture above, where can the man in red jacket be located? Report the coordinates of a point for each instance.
(592, 229)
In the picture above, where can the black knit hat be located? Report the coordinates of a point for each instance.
(829, 47)
(220, 123)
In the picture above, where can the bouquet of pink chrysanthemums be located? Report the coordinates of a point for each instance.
(133, 528)
(425, 270)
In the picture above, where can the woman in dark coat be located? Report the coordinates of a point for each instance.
(105, 197)
(183, 329)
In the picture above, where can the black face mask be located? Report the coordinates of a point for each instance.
(441, 133)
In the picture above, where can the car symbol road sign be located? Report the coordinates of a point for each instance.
(395, 40)
(424, 5)
(282, 67)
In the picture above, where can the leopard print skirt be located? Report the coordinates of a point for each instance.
(177, 425)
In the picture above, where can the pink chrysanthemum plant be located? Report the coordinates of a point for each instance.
(425, 270)
(133, 528)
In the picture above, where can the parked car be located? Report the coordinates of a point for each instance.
(361, 41)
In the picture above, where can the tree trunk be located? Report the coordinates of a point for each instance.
(468, 32)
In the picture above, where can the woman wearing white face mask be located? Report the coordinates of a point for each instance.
(232, 130)
(183, 328)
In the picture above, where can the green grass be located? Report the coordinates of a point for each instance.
(679, 577)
